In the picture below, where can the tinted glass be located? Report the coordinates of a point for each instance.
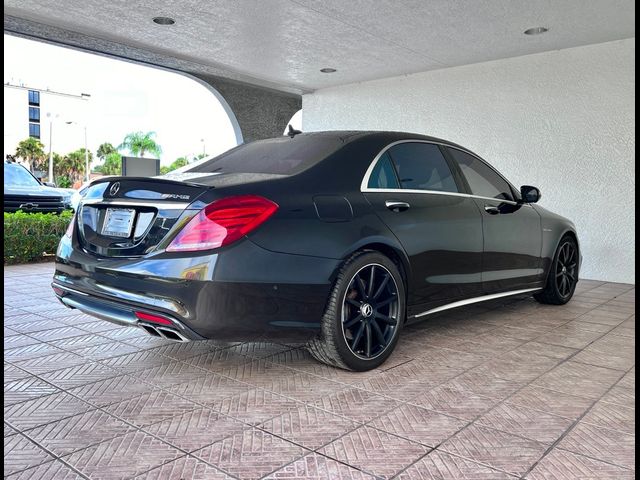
(383, 175)
(34, 130)
(34, 97)
(421, 166)
(482, 179)
(283, 155)
(34, 114)
(17, 175)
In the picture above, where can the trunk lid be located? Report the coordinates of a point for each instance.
(129, 216)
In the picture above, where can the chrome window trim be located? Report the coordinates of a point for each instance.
(469, 301)
(365, 181)
(439, 192)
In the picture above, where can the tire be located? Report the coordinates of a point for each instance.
(564, 265)
(374, 309)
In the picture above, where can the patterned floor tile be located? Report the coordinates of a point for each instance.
(219, 360)
(133, 362)
(78, 432)
(105, 350)
(318, 467)
(151, 407)
(563, 465)
(210, 389)
(454, 400)
(43, 410)
(442, 466)
(500, 450)
(251, 454)
(418, 424)
(13, 373)
(26, 389)
(374, 451)
(196, 429)
(607, 445)
(571, 377)
(185, 468)
(168, 374)
(55, 470)
(15, 341)
(20, 453)
(526, 422)
(256, 406)
(625, 397)
(615, 417)
(551, 401)
(111, 390)
(79, 375)
(28, 352)
(547, 350)
(308, 426)
(122, 457)
(302, 386)
(49, 363)
(357, 405)
(58, 333)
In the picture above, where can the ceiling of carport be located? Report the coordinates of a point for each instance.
(283, 44)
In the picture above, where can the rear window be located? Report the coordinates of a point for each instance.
(281, 156)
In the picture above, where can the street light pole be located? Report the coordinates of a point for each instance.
(51, 117)
(86, 155)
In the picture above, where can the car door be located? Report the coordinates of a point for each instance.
(413, 189)
(512, 229)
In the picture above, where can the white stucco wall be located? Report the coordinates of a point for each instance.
(563, 121)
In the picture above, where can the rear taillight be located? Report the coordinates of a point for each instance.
(69, 232)
(223, 222)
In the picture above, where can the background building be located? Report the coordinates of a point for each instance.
(57, 118)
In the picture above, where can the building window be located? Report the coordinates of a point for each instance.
(34, 97)
(34, 114)
(34, 130)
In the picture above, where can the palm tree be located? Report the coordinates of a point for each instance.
(72, 165)
(112, 164)
(31, 150)
(139, 143)
(105, 149)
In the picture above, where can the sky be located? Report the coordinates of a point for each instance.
(125, 97)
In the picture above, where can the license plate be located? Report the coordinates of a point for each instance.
(118, 222)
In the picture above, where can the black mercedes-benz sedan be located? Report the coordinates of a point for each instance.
(336, 239)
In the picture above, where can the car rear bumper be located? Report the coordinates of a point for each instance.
(240, 293)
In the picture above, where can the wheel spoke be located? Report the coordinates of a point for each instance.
(352, 322)
(361, 287)
(385, 319)
(354, 303)
(382, 286)
(368, 340)
(379, 334)
(357, 338)
(386, 302)
(559, 274)
(372, 279)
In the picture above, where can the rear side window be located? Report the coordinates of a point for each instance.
(482, 179)
(383, 175)
(421, 166)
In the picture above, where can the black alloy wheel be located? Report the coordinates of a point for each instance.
(563, 275)
(370, 311)
(365, 313)
(566, 269)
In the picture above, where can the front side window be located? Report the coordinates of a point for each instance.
(421, 166)
(383, 175)
(482, 179)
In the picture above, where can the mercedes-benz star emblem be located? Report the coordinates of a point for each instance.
(366, 310)
(114, 188)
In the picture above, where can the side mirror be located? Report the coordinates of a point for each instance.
(530, 194)
(50, 184)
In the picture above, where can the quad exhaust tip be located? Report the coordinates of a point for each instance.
(162, 332)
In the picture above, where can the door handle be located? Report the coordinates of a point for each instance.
(491, 210)
(397, 206)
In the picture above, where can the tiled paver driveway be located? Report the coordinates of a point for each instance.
(502, 390)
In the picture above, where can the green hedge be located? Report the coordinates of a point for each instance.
(31, 237)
